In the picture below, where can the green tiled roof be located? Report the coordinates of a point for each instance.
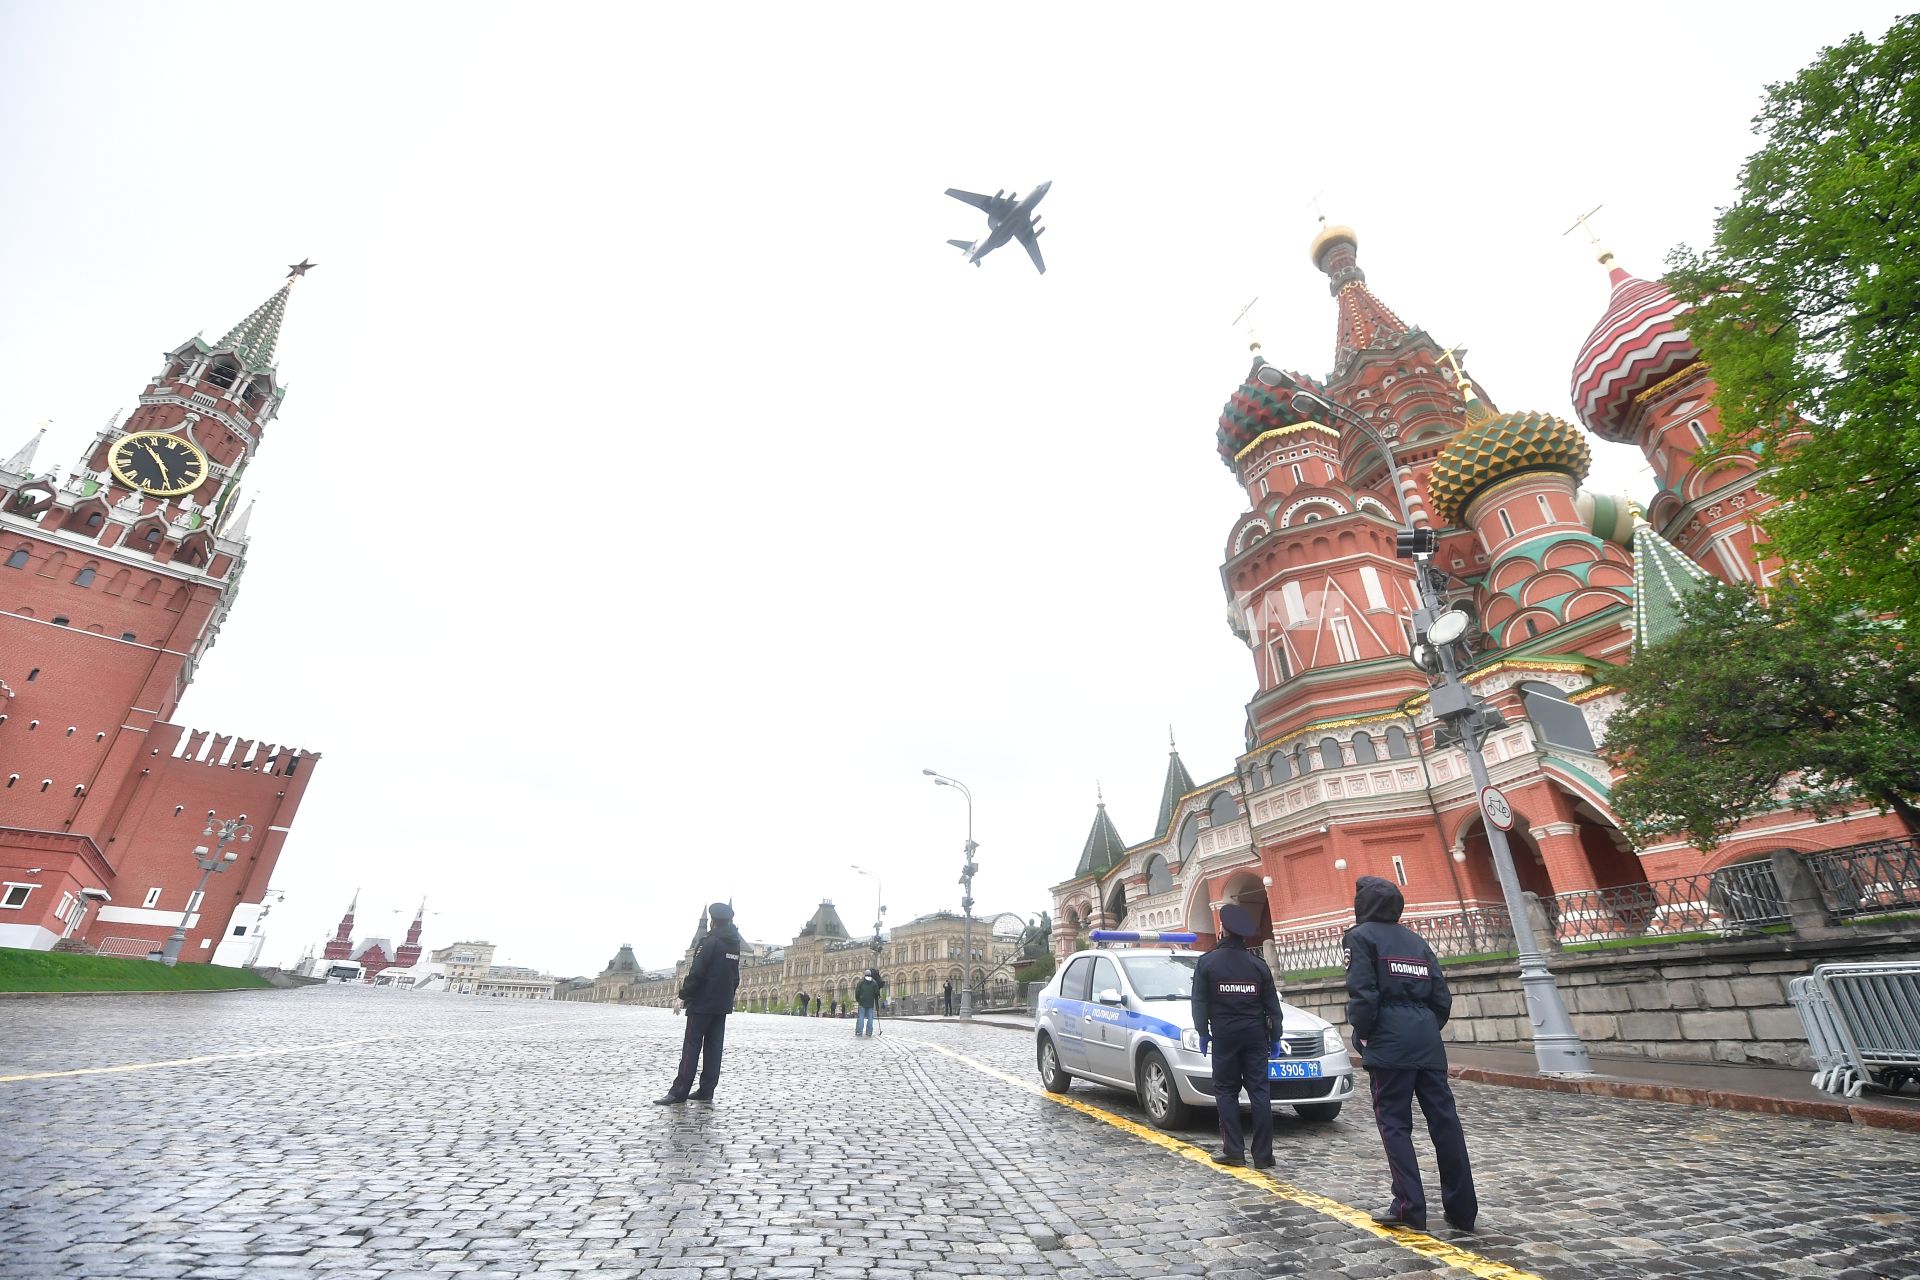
(253, 338)
(1663, 577)
(1179, 782)
(1104, 845)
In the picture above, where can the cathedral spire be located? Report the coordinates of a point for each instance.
(1178, 783)
(1104, 846)
(253, 338)
(1365, 321)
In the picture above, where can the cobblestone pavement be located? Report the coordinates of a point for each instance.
(396, 1135)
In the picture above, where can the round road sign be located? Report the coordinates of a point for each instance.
(1494, 804)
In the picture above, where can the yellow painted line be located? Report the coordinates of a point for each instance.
(1419, 1242)
(261, 1053)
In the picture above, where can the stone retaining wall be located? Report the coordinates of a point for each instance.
(1693, 1002)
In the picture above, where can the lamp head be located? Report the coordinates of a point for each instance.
(230, 856)
(928, 772)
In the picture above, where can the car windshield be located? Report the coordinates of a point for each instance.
(1160, 977)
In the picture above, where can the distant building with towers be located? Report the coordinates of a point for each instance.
(115, 577)
(374, 955)
(1342, 772)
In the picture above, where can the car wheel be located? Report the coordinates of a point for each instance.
(1051, 1075)
(1159, 1095)
(1318, 1110)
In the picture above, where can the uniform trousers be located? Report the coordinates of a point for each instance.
(1240, 1062)
(1394, 1089)
(705, 1041)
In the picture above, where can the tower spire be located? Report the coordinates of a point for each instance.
(23, 459)
(1601, 254)
(254, 337)
(1365, 321)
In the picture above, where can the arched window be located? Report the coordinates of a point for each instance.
(85, 577)
(1556, 720)
(1223, 808)
(1189, 836)
(1396, 743)
(95, 520)
(1330, 753)
(1117, 904)
(1363, 749)
(1302, 761)
(1159, 879)
(1280, 767)
(18, 560)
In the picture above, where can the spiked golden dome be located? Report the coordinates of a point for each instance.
(1502, 446)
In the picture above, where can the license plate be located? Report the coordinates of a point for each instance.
(1293, 1071)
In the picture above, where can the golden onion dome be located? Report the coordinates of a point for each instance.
(1502, 446)
(1328, 237)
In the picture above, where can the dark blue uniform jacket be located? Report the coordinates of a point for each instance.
(1397, 998)
(714, 973)
(1233, 993)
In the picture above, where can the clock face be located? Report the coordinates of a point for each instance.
(157, 463)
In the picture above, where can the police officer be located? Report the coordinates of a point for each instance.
(1397, 1001)
(1237, 1013)
(707, 993)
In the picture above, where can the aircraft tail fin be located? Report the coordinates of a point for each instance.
(961, 244)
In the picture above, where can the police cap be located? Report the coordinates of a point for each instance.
(1236, 919)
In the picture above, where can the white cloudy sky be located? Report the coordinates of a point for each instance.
(657, 492)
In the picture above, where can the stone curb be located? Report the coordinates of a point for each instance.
(1725, 1099)
(134, 991)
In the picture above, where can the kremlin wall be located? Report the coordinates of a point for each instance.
(115, 578)
(1342, 773)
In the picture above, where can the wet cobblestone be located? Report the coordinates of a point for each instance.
(461, 1137)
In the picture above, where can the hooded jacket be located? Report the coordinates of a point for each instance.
(714, 974)
(1397, 998)
(866, 993)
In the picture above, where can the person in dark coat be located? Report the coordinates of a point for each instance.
(1397, 1001)
(866, 996)
(707, 993)
(800, 1003)
(946, 997)
(1236, 1010)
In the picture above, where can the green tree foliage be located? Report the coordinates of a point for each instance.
(1807, 309)
(1755, 702)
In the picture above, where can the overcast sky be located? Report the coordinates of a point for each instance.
(657, 492)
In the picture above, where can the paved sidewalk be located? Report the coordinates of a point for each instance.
(1775, 1090)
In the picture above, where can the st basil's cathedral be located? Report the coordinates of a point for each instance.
(1344, 774)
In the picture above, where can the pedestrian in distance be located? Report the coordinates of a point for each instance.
(800, 1004)
(1397, 1001)
(866, 995)
(707, 993)
(1236, 1010)
(946, 997)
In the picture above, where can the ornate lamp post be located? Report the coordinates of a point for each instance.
(224, 830)
(967, 872)
(1557, 1048)
(879, 910)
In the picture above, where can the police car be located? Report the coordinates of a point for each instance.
(1124, 1017)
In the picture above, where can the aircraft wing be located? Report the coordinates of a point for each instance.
(983, 203)
(1030, 241)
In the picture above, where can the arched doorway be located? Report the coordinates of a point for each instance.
(1479, 880)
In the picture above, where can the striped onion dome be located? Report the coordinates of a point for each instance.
(1498, 446)
(1637, 344)
(1256, 409)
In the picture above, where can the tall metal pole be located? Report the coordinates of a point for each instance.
(209, 863)
(967, 873)
(1557, 1048)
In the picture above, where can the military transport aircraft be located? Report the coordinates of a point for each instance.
(1008, 216)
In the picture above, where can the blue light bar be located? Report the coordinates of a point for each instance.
(1130, 935)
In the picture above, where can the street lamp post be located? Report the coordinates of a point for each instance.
(879, 910)
(967, 872)
(224, 830)
(1557, 1048)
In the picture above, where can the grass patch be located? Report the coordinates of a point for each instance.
(1891, 918)
(22, 970)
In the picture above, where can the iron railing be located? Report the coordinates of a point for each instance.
(1476, 931)
(1865, 879)
(1738, 899)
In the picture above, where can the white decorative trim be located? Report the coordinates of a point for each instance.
(1286, 517)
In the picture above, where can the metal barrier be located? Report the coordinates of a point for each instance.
(1740, 898)
(1833, 1068)
(136, 947)
(1862, 879)
(1875, 1017)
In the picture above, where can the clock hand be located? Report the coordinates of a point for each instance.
(158, 461)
